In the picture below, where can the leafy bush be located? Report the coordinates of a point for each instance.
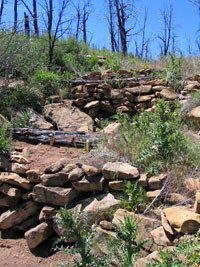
(5, 140)
(20, 97)
(155, 141)
(113, 62)
(49, 82)
(19, 55)
(134, 197)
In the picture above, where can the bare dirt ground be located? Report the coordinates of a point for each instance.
(14, 251)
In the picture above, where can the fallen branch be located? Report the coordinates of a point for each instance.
(58, 138)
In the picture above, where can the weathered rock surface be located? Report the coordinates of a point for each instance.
(10, 191)
(6, 201)
(160, 237)
(182, 219)
(117, 185)
(57, 196)
(18, 168)
(156, 182)
(89, 183)
(19, 159)
(55, 179)
(37, 235)
(90, 170)
(194, 114)
(115, 170)
(197, 203)
(47, 213)
(18, 214)
(66, 117)
(33, 176)
(14, 179)
(148, 259)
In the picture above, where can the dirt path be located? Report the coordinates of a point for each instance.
(14, 251)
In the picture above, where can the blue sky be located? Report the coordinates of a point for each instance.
(186, 21)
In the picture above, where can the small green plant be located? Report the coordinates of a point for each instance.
(80, 231)
(134, 197)
(5, 140)
(174, 71)
(113, 62)
(125, 249)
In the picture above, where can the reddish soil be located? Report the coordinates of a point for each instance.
(14, 251)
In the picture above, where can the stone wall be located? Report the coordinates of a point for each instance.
(130, 92)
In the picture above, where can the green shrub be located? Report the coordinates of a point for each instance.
(19, 55)
(174, 71)
(113, 62)
(48, 82)
(20, 97)
(5, 140)
(155, 142)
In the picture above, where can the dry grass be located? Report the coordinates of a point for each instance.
(192, 184)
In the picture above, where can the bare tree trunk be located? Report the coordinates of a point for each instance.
(121, 24)
(35, 20)
(1, 9)
(15, 16)
(167, 38)
(78, 12)
(110, 20)
(26, 24)
(86, 14)
(33, 15)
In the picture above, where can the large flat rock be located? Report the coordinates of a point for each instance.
(57, 196)
(18, 214)
(14, 179)
(66, 117)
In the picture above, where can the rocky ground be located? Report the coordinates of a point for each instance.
(13, 248)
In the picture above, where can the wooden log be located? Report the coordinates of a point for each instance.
(60, 138)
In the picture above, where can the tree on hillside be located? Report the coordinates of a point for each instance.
(82, 16)
(2, 3)
(126, 21)
(15, 26)
(33, 14)
(167, 36)
(111, 26)
(142, 48)
(56, 24)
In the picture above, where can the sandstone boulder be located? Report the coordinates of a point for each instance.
(182, 219)
(116, 185)
(55, 179)
(57, 196)
(38, 234)
(14, 179)
(168, 94)
(119, 170)
(18, 168)
(156, 182)
(90, 170)
(33, 176)
(66, 117)
(194, 114)
(18, 214)
(89, 183)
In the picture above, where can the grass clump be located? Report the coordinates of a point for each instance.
(156, 142)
